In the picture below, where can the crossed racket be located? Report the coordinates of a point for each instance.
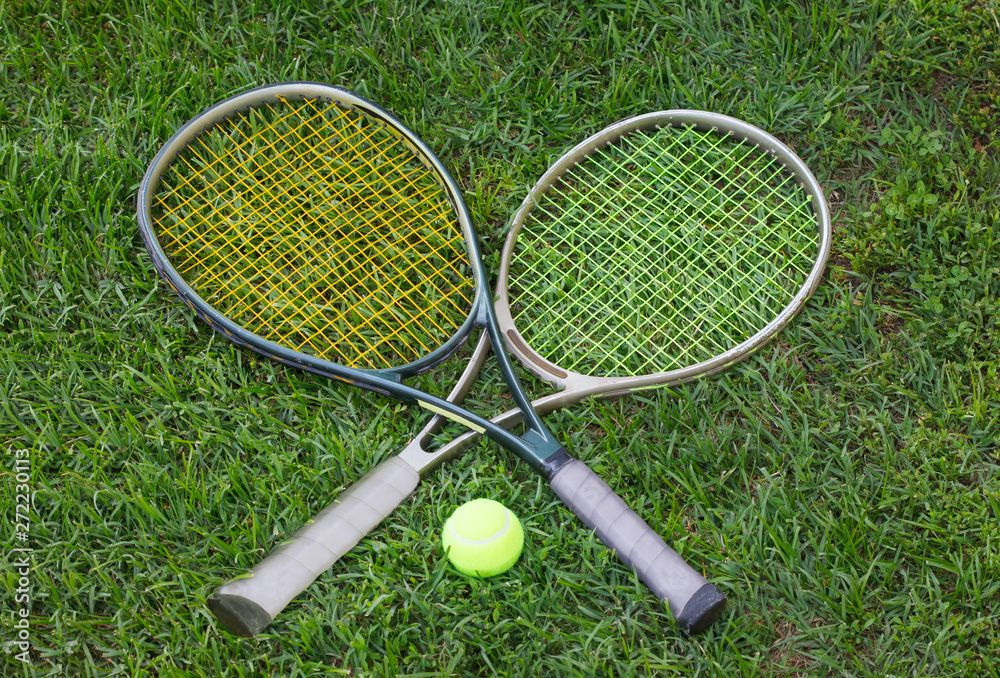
(310, 225)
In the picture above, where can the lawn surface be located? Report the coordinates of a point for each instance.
(842, 486)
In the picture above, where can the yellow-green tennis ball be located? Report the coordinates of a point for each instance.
(483, 538)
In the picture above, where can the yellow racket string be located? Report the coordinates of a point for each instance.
(661, 251)
(317, 228)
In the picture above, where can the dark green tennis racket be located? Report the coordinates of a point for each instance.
(313, 227)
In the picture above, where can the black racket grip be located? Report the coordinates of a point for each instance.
(694, 602)
(247, 605)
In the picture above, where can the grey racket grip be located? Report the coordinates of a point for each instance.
(694, 602)
(246, 605)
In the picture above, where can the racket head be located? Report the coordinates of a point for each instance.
(311, 225)
(666, 247)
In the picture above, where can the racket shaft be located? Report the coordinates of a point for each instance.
(248, 604)
(694, 602)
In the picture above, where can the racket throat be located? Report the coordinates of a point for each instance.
(554, 462)
(538, 449)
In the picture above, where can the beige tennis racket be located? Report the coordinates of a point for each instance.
(665, 248)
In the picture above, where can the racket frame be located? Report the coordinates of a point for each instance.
(538, 447)
(577, 386)
(572, 387)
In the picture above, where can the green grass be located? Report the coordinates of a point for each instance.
(842, 487)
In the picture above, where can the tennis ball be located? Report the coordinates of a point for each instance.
(483, 538)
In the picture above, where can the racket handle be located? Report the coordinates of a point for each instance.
(247, 604)
(694, 602)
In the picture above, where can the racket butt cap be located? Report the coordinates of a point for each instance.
(702, 609)
(239, 615)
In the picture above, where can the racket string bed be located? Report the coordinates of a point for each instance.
(675, 289)
(320, 230)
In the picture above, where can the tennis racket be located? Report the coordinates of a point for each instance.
(310, 225)
(664, 248)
